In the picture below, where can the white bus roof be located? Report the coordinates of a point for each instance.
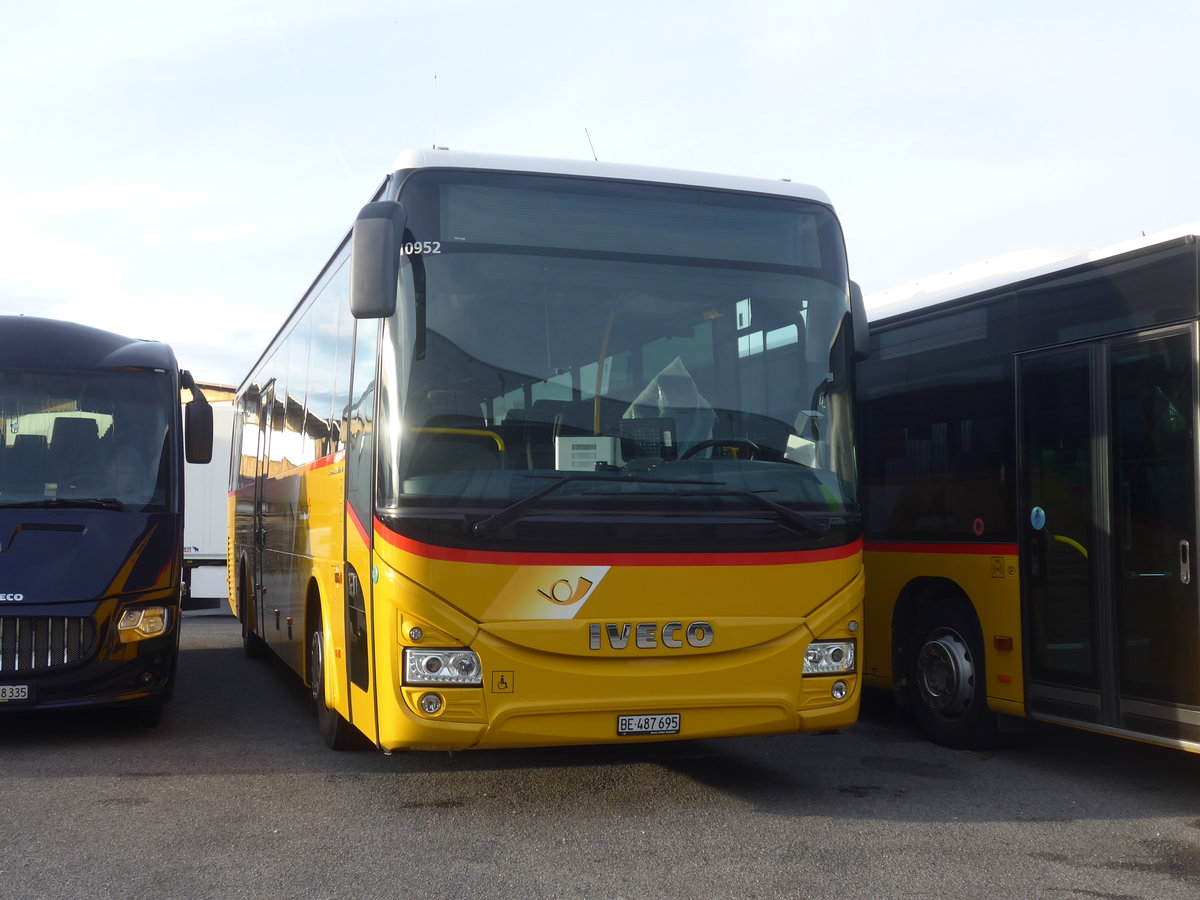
(454, 159)
(999, 271)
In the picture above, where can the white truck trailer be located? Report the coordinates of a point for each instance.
(205, 520)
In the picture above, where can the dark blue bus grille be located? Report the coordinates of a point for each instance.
(37, 643)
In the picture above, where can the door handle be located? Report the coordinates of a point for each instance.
(1185, 562)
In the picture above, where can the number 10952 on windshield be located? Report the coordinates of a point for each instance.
(665, 723)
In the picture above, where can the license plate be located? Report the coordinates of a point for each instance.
(15, 693)
(662, 723)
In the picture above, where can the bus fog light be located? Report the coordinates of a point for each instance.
(839, 690)
(829, 658)
(148, 622)
(458, 667)
(431, 704)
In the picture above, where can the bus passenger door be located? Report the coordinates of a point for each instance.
(359, 528)
(1108, 499)
(1061, 560)
(258, 531)
(1153, 441)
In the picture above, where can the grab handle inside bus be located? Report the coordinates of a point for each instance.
(375, 259)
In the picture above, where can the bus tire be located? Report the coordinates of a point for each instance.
(337, 733)
(946, 678)
(252, 644)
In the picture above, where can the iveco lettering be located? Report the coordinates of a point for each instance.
(648, 635)
(543, 434)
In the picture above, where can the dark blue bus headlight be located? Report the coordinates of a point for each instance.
(144, 622)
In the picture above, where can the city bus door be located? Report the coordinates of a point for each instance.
(1108, 510)
(359, 528)
(262, 472)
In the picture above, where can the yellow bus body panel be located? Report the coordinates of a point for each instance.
(989, 579)
(531, 624)
(543, 682)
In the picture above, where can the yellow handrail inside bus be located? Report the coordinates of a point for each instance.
(1072, 543)
(469, 432)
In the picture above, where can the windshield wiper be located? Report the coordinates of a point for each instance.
(69, 503)
(493, 523)
(810, 525)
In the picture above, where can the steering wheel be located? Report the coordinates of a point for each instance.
(751, 448)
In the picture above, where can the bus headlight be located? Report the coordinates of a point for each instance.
(460, 667)
(829, 658)
(147, 622)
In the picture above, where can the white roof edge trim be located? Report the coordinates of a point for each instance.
(457, 159)
(1006, 269)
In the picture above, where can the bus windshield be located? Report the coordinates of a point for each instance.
(85, 439)
(684, 349)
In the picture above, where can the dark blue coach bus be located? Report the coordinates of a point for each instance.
(92, 445)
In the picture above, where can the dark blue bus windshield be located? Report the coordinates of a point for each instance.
(85, 438)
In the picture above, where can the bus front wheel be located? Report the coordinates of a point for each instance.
(947, 685)
(337, 733)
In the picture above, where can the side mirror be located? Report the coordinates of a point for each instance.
(375, 259)
(858, 314)
(198, 432)
(197, 423)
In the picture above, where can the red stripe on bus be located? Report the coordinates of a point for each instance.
(980, 549)
(518, 558)
(358, 526)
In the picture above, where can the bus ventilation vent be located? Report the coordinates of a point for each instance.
(37, 643)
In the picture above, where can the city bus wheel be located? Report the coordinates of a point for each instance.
(946, 679)
(252, 644)
(336, 731)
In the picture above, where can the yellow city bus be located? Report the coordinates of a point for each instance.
(558, 453)
(1028, 452)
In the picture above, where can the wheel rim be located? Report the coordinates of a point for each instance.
(946, 675)
(316, 670)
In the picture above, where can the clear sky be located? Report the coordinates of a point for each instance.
(181, 170)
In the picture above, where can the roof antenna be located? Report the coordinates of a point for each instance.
(434, 96)
(589, 137)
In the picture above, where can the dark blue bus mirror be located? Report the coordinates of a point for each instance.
(375, 259)
(858, 313)
(197, 423)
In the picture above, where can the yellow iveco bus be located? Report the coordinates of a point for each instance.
(1028, 449)
(560, 453)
